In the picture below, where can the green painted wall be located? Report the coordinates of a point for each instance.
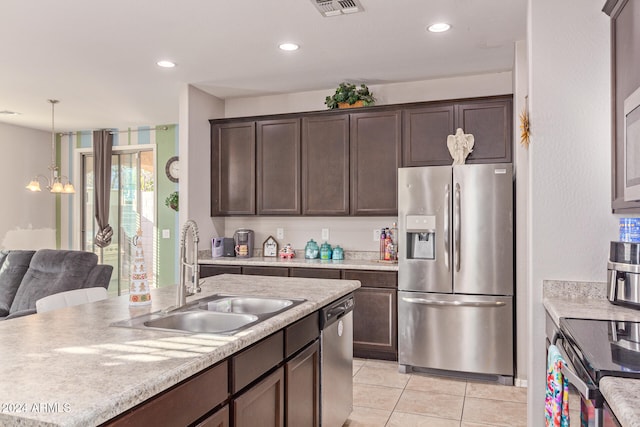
(166, 147)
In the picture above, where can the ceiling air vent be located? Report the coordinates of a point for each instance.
(337, 7)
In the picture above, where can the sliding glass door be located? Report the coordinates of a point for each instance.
(132, 208)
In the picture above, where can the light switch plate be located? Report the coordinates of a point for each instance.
(325, 234)
(166, 234)
(279, 233)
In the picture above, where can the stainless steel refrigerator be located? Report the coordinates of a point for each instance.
(455, 278)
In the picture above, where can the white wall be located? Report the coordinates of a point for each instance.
(196, 108)
(397, 93)
(570, 223)
(27, 220)
(521, 173)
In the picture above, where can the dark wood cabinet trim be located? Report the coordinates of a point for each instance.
(214, 270)
(301, 333)
(303, 393)
(325, 165)
(219, 419)
(182, 404)
(250, 364)
(243, 416)
(373, 279)
(243, 172)
(278, 178)
(615, 9)
(315, 273)
(374, 181)
(266, 271)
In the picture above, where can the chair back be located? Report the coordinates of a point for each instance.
(70, 298)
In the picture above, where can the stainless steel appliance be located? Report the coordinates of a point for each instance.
(217, 247)
(336, 362)
(623, 274)
(592, 350)
(243, 239)
(455, 278)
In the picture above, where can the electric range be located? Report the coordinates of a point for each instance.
(595, 349)
(603, 347)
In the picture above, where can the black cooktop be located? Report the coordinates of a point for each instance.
(603, 347)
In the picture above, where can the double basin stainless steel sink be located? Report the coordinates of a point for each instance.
(216, 314)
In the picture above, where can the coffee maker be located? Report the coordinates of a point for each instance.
(243, 239)
(623, 274)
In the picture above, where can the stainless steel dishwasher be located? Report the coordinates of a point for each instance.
(336, 362)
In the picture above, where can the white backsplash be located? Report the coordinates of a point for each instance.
(351, 233)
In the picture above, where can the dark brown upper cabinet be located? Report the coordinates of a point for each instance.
(233, 168)
(325, 165)
(424, 135)
(625, 76)
(490, 122)
(375, 158)
(278, 159)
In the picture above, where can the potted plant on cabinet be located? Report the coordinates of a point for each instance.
(349, 96)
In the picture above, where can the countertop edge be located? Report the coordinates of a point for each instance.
(622, 396)
(302, 263)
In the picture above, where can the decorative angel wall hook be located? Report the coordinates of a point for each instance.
(460, 145)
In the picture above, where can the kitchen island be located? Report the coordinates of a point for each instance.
(69, 367)
(589, 301)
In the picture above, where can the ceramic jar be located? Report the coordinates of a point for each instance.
(325, 251)
(311, 250)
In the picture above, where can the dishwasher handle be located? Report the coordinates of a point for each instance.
(336, 310)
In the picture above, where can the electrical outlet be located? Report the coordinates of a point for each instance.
(376, 234)
(325, 234)
(166, 234)
(279, 233)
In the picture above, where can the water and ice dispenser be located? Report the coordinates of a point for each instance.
(421, 236)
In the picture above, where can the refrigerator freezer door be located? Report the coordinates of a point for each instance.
(424, 213)
(483, 229)
(466, 333)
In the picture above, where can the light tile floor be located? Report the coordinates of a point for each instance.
(384, 397)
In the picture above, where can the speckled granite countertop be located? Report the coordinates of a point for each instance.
(347, 264)
(69, 367)
(589, 301)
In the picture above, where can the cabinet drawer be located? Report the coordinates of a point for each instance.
(251, 363)
(262, 404)
(374, 279)
(214, 270)
(301, 333)
(183, 404)
(266, 271)
(317, 273)
(219, 419)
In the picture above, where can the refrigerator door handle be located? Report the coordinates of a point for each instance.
(456, 229)
(447, 243)
(442, 303)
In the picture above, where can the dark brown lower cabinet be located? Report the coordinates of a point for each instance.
(375, 315)
(214, 270)
(183, 404)
(266, 271)
(375, 324)
(220, 418)
(315, 273)
(262, 404)
(302, 375)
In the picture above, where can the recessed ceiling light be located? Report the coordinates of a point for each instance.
(439, 27)
(9, 113)
(289, 46)
(166, 64)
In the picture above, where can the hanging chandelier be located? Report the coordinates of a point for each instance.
(55, 180)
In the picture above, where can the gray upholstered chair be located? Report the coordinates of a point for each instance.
(52, 271)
